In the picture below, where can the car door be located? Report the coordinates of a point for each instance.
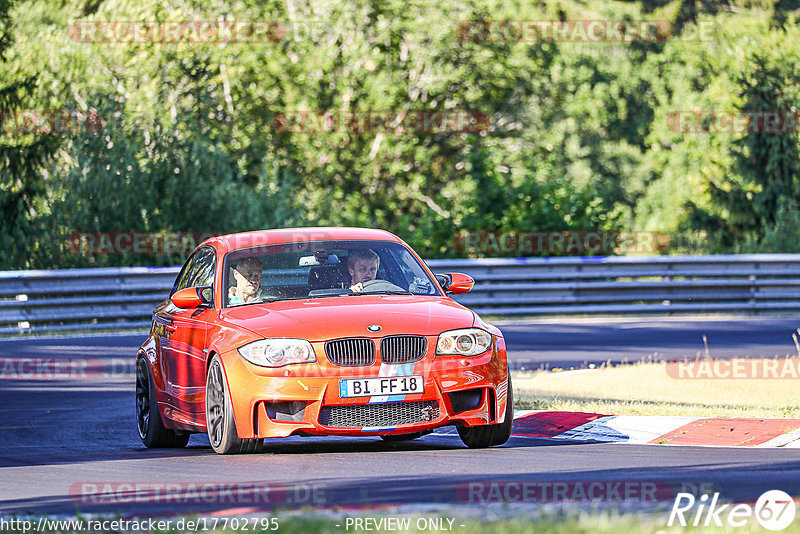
(183, 346)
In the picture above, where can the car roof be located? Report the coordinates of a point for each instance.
(229, 242)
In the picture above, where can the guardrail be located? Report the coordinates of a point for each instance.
(120, 298)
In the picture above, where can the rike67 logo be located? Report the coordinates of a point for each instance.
(774, 510)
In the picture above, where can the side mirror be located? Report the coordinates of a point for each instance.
(192, 297)
(456, 283)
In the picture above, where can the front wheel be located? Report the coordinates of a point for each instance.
(480, 437)
(148, 419)
(219, 416)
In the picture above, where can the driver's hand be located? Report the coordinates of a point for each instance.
(357, 288)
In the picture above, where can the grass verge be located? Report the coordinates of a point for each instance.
(647, 388)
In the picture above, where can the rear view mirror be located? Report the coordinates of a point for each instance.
(455, 283)
(192, 297)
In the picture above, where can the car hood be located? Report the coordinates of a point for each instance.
(322, 319)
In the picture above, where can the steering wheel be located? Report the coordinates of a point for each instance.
(375, 286)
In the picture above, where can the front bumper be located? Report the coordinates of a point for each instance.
(305, 399)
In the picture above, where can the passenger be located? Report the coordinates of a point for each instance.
(247, 274)
(363, 267)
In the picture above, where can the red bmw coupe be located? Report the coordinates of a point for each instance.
(318, 331)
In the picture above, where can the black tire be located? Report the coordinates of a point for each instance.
(404, 437)
(219, 416)
(503, 430)
(148, 419)
(480, 437)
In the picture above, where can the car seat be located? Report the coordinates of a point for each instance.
(327, 277)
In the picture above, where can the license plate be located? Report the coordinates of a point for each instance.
(367, 387)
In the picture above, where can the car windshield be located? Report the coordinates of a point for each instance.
(320, 269)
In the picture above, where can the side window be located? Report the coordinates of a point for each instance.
(202, 273)
(419, 282)
(383, 266)
(182, 282)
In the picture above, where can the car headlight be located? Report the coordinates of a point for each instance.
(277, 352)
(464, 342)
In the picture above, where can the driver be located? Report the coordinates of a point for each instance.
(363, 267)
(247, 274)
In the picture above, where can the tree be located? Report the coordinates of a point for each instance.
(766, 185)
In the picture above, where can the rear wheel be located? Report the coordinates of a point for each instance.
(480, 437)
(148, 419)
(219, 416)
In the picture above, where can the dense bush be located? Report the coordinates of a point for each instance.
(580, 136)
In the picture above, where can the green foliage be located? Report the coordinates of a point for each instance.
(757, 199)
(579, 135)
(783, 236)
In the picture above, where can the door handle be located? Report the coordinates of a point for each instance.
(171, 328)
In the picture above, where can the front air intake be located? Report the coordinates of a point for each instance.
(379, 415)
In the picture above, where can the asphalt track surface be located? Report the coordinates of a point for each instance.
(63, 439)
(577, 343)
